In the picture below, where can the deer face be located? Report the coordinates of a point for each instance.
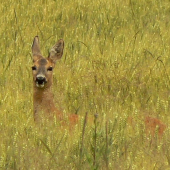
(42, 72)
(43, 67)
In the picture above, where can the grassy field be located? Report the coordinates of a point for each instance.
(116, 66)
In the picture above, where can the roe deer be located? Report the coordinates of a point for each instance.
(151, 124)
(43, 100)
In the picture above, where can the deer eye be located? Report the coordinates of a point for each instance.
(50, 69)
(34, 67)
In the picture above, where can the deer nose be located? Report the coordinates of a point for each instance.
(40, 79)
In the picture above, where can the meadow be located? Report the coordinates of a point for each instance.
(116, 66)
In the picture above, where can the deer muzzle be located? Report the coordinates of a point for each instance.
(40, 81)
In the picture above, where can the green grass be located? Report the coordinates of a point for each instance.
(115, 64)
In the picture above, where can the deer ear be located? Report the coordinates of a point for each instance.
(36, 49)
(56, 51)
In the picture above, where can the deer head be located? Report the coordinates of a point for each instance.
(43, 67)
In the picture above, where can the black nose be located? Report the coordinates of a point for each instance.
(40, 80)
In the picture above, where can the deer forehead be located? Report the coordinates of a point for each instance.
(42, 62)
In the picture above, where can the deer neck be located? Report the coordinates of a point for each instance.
(43, 95)
(43, 101)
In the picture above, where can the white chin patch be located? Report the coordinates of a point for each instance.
(40, 85)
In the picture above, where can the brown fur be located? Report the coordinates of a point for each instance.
(43, 100)
(151, 124)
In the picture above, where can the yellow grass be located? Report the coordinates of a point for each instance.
(115, 64)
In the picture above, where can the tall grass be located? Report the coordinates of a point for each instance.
(115, 65)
